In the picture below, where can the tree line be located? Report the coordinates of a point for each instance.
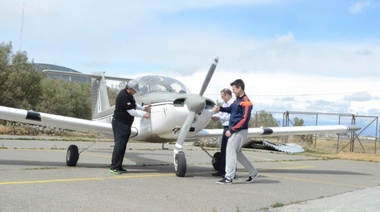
(22, 86)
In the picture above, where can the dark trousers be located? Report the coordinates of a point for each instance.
(223, 146)
(121, 133)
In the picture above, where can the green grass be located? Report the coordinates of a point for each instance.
(277, 205)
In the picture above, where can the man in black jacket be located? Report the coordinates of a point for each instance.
(126, 109)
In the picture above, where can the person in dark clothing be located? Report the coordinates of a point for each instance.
(224, 118)
(126, 109)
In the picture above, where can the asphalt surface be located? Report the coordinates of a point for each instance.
(34, 177)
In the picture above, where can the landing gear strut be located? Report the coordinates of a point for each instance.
(215, 159)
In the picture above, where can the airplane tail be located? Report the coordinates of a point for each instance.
(100, 101)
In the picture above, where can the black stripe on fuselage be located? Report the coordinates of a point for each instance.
(267, 131)
(35, 116)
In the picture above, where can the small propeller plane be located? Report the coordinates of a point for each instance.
(176, 115)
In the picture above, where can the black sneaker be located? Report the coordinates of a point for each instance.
(218, 174)
(251, 178)
(122, 170)
(115, 171)
(224, 181)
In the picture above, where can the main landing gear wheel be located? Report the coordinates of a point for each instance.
(72, 155)
(216, 160)
(180, 164)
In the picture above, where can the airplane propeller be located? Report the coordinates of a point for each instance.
(195, 103)
(209, 76)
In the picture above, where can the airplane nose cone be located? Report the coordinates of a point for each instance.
(195, 103)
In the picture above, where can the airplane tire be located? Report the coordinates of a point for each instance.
(72, 155)
(180, 165)
(216, 160)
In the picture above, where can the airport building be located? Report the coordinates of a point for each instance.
(44, 66)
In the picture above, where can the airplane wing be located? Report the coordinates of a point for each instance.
(64, 122)
(46, 119)
(276, 131)
(96, 76)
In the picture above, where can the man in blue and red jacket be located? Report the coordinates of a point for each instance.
(237, 133)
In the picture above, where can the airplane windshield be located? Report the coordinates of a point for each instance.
(155, 83)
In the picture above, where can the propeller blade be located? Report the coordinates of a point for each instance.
(195, 104)
(209, 76)
(185, 128)
(180, 162)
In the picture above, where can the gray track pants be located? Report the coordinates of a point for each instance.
(234, 154)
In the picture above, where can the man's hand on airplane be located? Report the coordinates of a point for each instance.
(147, 115)
(147, 108)
(216, 109)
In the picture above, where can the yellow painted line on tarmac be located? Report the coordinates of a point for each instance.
(299, 166)
(97, 155)
(296, 166)
(262, 158)
(110, 156)
(83, 179)
(144, 176)
(50, 181)
(314, 181)
(302, 166)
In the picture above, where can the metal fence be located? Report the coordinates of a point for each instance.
(369, 126)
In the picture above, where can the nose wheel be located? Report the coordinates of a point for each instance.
(195, 104)
(180, 164)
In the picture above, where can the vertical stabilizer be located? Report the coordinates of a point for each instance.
(100, 101)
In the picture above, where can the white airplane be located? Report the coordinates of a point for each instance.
(176, 115)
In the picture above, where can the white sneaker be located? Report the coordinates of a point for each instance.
(224, 181)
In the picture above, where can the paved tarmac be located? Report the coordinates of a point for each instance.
(34, 177)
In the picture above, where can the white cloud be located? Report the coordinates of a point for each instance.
(359, 96)
(282, 92)
(361, 6)
(130, 38)
(287, 38)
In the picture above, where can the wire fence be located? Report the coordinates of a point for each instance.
(364, 140)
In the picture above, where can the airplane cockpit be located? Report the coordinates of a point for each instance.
(154, 83)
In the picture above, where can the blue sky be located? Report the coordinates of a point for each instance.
(296, 55)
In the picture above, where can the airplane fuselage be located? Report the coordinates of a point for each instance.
(168, 113)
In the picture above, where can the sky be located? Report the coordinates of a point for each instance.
(293, 55)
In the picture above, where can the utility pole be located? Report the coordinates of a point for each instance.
(22, 26)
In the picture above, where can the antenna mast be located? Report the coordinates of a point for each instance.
(22, 26)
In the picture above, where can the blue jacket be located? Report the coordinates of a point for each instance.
(240, 112)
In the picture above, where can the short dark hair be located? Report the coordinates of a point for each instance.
(226, 91)
(238, 83)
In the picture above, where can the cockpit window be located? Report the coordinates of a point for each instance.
(155, 83)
